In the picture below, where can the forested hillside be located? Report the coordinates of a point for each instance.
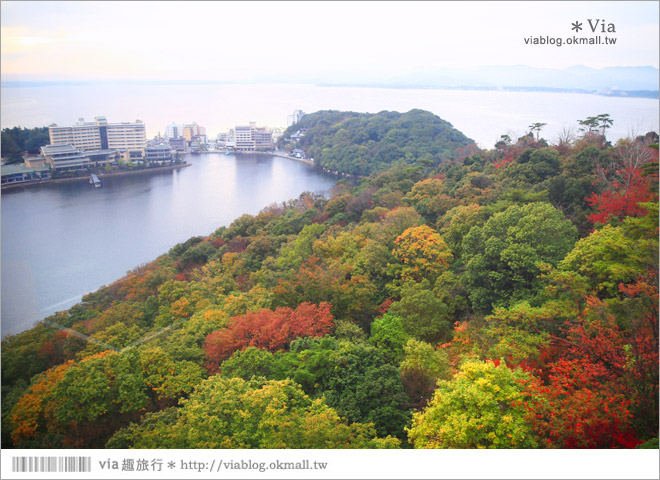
(16, 141)
(503, 299)
(362, 143)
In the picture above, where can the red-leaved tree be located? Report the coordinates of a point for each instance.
(578, 408)
(267, 329)
(625, 182)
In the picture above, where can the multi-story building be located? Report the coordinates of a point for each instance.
(178, 144)
(243, 137)
(295, 118)
(192, 130)
(64, 157)
(158, 153)
(128, 138)
(263, 139)
(173, 131)
(250, 138)
(101, 157)
(83, 135)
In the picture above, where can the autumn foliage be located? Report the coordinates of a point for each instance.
(621, 197)
(320, 312)
(267, 329)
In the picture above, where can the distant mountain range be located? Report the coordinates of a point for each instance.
(639, 81)
(642, 81)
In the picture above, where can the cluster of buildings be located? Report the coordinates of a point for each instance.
(185, 138)
(100, 143)
(95, 144)
(87, 144)
(192, 138)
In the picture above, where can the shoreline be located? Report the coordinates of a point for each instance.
(100, 175)
(279, 153)
(276, 153)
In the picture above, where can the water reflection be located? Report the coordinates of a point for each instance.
(60, 241)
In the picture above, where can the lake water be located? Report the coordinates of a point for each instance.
(481, 115)
(60, 241)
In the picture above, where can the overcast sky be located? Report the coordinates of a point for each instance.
(345, 40)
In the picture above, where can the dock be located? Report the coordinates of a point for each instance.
(93, 179)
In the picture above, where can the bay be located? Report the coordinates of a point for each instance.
(70, 231)
(60, 241)
(481, 115)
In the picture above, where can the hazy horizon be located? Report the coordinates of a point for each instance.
(596, 79)
(312, 42)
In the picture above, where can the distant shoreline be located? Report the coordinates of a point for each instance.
(100, 175)
(649, 93)
(278, 153)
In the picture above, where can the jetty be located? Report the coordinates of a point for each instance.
(94, 180)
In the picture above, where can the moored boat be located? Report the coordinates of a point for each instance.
(93, 179)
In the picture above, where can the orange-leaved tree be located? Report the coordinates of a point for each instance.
(267, 329)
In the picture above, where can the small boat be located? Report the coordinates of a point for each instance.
(94, 180)
(227, 152)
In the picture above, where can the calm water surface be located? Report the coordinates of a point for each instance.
(481, 115)
(60, 241)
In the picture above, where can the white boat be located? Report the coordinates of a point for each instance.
(93, 179)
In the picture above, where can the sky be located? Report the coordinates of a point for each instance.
(311, 41)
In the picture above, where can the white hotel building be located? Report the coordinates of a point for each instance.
(129, 139)
(250, 138)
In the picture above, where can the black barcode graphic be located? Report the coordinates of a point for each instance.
(51, 464)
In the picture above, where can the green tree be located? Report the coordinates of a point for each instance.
(502, 257)
(421, 368)
(482, 407)
(248, 363)
(423, 315)
(364, 388)
(536, 127)
(611, 256)
(388, 336)
(234, 413)
(428, 198)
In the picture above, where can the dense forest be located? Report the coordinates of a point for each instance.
(361, 144)
(16, 141)
(503, 298)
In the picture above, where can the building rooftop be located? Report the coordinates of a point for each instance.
(20, 168)
(158, 147)
(54, 149)
(100, 152)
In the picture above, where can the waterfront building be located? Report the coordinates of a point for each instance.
(263, 139)
(100, 135)
(83, 135)
(12, 174)
(158, 153)
(35, 161)
(178, 144)
(250, 138)
(100, 158)
(243, 137)
(64, 157)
